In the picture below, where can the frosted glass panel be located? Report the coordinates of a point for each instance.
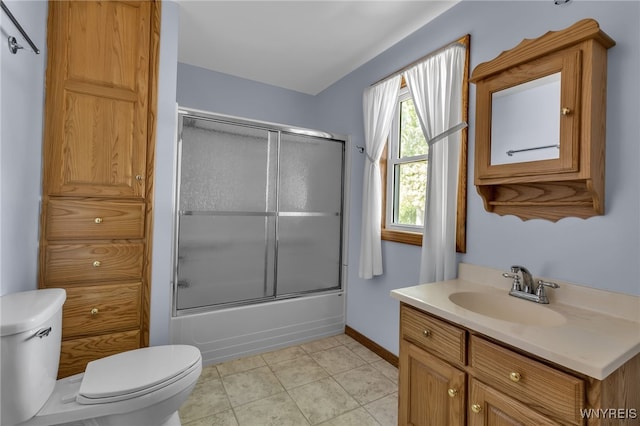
(222, 259)
(259, 212)
(224, 167)
(310, 174)
(308, 253)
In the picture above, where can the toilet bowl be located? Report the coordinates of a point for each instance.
(140, 387)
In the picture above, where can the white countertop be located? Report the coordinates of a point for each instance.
(594, 339)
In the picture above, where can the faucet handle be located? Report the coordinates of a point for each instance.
(516, 285)
(543, 284)
(542, 295)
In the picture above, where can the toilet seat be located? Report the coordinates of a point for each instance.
(135, 373)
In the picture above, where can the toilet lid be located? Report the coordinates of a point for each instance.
(130, 374)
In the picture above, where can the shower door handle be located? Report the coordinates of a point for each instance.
(183, 284)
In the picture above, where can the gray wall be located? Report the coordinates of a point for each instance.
(601, 252)
(21, 123)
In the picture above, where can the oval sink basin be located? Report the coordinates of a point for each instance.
(507, 308)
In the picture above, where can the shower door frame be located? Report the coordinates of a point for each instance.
(269, 128)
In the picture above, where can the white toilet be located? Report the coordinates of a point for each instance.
(135, 388)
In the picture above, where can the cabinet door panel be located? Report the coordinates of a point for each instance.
(97, 99)
(431, 391)
(488, 407)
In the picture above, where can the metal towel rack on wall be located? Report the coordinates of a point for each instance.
(13, 43)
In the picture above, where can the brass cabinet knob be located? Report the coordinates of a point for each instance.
(476, 408)
(452, 392)
(565, 111)
(98, 220)
(94, 311)
(515, 377)
(96, 263)
(139, 178)
(426, 333)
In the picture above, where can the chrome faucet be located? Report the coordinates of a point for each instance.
(527, 291)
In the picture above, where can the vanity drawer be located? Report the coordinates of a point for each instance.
(433, 335)
(539, 386)
(66, 263)
(100, 309)
(85, 219)
(75, 354)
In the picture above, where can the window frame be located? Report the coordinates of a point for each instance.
(407, 236)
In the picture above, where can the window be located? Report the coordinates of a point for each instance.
(406, 167)
(404, 172)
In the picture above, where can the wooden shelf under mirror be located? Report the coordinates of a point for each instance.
(540, 125)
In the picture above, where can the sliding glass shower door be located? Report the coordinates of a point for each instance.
(259, 212)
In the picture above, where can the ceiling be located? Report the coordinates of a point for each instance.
(299, 45)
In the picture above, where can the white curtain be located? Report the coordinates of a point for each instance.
(379, 104)
(436, 88)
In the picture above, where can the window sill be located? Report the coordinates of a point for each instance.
(414, 238)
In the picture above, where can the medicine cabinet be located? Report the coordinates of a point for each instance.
(540, 125)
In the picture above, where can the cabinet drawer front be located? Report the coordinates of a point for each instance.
(74, 219)
(66, 263)
(487, 406)
(100, 309)
(75, 354)
(539, 386)
(432, 334)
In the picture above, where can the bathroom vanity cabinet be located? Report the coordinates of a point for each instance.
(452, 375)
(98, 157)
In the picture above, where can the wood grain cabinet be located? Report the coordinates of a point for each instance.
(98, 153)
(540, 125)
(451, 375)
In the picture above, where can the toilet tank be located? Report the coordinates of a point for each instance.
(30, 333)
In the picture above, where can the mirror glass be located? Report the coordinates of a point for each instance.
(525, 122)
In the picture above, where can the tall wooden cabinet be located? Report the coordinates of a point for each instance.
(98, 157)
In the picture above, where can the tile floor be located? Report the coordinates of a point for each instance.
(334, 381)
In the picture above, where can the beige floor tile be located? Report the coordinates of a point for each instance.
(343, 339)
(209, 372)
(208, 398)
(338, 359)
(251, 385)
(285, 354)
(299, 371)
(320, 345)
(240, 365)
(357, 417)
(385, 410)
(276, 410)
(366, 384)
(389, 371)
(226, 418)
(366, 354)
(322, 400)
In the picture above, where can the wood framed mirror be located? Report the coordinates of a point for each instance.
(540, 125)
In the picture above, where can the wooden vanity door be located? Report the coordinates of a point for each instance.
(488, 407)
(431, 392)
(98, 98)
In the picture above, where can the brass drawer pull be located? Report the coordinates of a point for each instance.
(515, 377)
(476, 408)
(453, 392)
(96, 263)
(565, 111)
(97, 220)
(94, 311)
(426, 333)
